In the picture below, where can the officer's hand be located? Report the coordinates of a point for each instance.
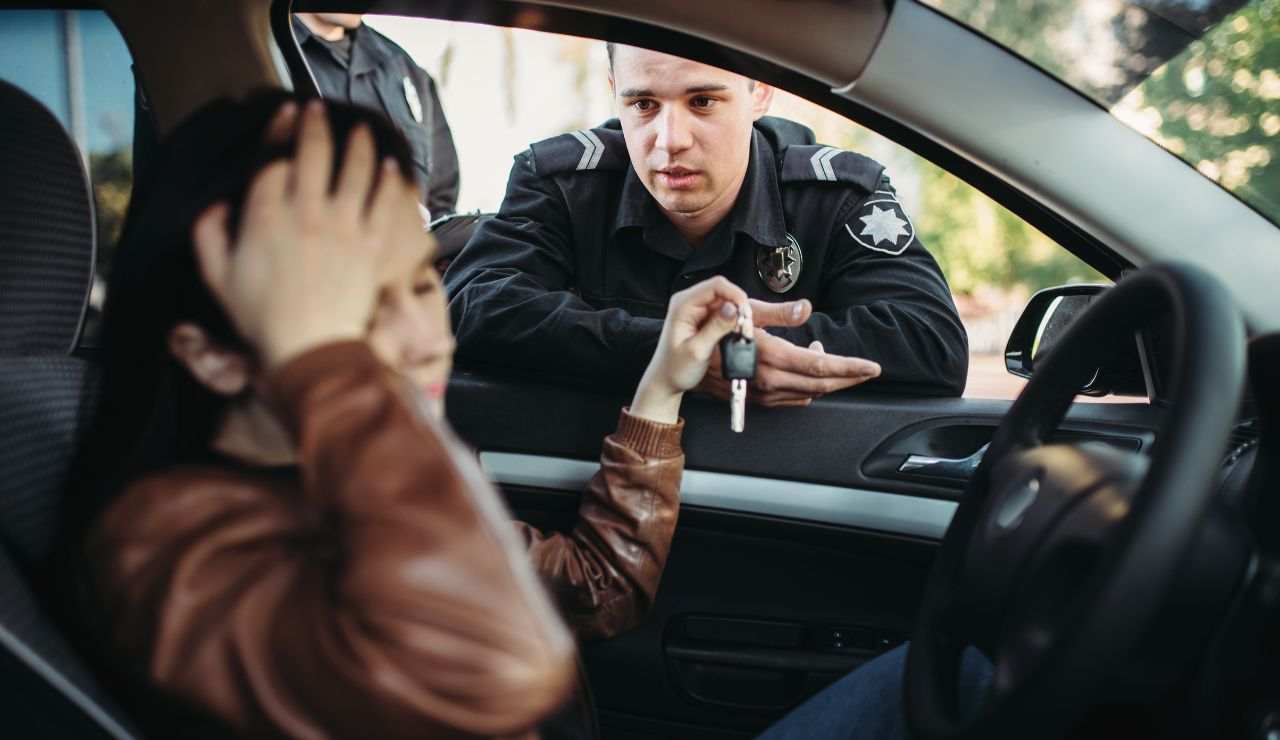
(697, 318)
(787, 375)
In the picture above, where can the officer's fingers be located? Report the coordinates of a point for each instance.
(789, 313)
(358, 170)
(775, 402)
(282, 124)
(769, 378)
(713, 385)
(212, 243)
(314, 155)
(780, 353)
(776, 399)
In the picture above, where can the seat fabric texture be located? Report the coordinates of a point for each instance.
(46, 268)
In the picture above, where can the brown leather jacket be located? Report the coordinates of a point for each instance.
(377, 591)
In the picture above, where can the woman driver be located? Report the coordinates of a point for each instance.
(279, 538)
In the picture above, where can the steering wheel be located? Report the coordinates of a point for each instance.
(1059, 555)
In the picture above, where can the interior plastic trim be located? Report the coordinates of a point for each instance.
(847, 507)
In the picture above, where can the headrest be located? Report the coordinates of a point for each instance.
(47, 235)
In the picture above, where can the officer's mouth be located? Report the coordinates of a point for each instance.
(678, 178)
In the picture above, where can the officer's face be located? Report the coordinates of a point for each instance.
(687, 127)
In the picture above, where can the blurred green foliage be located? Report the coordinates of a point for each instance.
(112, 176)
(1217, 105)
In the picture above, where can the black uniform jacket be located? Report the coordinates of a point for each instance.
(382, 76)
(573, 276)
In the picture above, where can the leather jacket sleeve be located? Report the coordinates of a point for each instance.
(382, 596)
(605, 572)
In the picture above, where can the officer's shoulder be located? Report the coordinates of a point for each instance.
(817, 163)
(584, 150)
(388, 45)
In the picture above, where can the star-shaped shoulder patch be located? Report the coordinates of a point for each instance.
(881, 224)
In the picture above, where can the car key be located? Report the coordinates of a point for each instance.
(738, 366)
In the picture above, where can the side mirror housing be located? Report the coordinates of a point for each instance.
(1045, 320)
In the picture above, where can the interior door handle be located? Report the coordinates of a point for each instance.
(944, 467)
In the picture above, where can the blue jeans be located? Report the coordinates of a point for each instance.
(867, 703)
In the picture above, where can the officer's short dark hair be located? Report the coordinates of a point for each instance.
(609, 46)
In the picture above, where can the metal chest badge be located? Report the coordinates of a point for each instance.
(411, 97)
(779, 267)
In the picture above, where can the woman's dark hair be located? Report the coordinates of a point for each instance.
(152, 413)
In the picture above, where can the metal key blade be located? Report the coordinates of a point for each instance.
(738, 405)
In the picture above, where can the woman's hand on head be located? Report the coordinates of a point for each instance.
(303, 270)
(697, 319)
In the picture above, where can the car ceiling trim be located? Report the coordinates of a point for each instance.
(849, 507)
(1108, 178)
(42, 668)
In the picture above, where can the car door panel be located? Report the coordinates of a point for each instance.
(802, 548)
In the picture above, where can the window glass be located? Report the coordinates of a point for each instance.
(502, 89)
(77, 64)
(1201, 78)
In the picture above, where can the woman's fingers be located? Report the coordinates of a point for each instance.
(282, 124)
(691, 304)
(314, 158)
(358, 170)
(213, 246)
(722, 320)
(386, 199)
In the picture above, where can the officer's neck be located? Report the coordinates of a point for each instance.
(695, 226)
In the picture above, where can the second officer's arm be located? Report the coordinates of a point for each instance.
(895, 309)
(511, 299)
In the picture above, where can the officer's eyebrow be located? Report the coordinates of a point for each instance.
(637, 92)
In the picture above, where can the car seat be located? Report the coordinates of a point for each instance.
(47, 245)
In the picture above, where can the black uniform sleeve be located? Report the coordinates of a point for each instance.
(445, 178)
(895, 309)
(512, 302)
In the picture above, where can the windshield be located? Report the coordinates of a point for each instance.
(1199, 77)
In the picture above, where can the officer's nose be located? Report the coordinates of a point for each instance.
(673, 133)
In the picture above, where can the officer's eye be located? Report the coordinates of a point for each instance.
(643, 105)
(703, 101)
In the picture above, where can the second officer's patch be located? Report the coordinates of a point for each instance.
(411, 97)
(881, 224)
(779, 267)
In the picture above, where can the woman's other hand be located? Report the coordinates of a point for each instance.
(303, 270)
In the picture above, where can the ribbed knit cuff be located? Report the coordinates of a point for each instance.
(649, 438)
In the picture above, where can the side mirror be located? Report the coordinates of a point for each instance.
(1045, 320)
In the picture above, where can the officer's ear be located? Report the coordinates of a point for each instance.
(761, 99)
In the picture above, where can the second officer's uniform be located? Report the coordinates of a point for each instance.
(573, 276)
(369, 69)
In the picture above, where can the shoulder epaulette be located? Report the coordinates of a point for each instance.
(817, 163)
(585, 149)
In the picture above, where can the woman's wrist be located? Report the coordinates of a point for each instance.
(656, 401)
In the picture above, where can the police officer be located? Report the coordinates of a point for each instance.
(355, 64)
(599, 227)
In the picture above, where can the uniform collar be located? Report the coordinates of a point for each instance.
(368, 52)
(757, 213)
